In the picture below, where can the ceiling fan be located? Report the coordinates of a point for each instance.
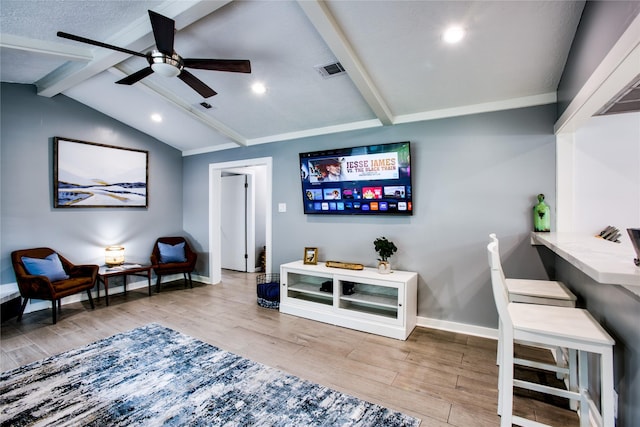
(165, 61)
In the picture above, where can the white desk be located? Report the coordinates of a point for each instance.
(603, 261)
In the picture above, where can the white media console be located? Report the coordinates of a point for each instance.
(365, 300)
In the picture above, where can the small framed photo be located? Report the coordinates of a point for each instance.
(310, 256)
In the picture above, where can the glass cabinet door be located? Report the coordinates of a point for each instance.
(304, 287)
(383, 299)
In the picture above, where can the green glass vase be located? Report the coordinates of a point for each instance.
(541, 215)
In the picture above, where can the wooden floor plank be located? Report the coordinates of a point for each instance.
(443, 378)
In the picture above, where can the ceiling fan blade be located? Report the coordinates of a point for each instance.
(135, 77)
(97, 43)
(163, 31)
(232, 65)
(196, 84)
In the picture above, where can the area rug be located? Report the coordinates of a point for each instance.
(154, 376)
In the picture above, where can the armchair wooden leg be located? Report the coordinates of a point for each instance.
(24, 304)
(90, 299)
(53, 310)
(158, 284)
(187, 279)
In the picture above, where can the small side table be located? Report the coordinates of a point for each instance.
(126, 269)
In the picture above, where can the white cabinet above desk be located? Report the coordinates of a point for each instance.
(365, 300)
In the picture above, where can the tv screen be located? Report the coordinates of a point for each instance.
(366, 180)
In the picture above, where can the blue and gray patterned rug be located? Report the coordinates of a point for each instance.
(154, 376)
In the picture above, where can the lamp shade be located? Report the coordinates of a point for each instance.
(114, 255)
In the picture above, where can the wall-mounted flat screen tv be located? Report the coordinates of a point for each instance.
(365, 180)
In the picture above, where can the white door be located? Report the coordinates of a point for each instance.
(233, 222)
(215, 210)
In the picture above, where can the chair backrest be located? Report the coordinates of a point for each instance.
(18, 265)
(172, 240)
(188, 252)
(23, 278)
(494, 256)
(499, 286)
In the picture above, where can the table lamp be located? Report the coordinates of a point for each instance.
(114, 255)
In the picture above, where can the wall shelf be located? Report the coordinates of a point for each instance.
(605, 262)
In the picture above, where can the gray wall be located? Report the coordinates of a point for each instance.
(601, 25)
(471, 175)
(28, 219)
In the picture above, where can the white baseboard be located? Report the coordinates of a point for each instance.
(461, 328)
(9, 291)
(201, 279)
(36, 305)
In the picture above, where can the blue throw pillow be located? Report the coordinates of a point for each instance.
(49, 266)
(171, 253)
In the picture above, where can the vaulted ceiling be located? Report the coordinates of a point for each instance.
(398, 68)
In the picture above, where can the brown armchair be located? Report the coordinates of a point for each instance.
(81, 278)
(170, 264)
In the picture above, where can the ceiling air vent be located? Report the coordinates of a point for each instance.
(626, 101)
(330, 70)
(204, 107)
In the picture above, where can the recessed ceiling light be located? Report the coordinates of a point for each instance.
(453, 34)
(258, 88)
(156, 118)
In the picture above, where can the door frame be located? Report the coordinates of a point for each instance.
(215, 186)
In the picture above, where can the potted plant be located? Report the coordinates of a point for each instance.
(385, 248)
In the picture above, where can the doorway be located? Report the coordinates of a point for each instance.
(237, 220)
(248, 167)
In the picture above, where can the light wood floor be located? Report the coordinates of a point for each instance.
(443, 378)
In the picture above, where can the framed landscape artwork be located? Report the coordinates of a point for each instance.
(90, 175)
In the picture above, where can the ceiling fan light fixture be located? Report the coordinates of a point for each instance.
(166, 70)
(165, 65)
(165, 61)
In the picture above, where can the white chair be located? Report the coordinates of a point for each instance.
(534, 291)
(551, 326)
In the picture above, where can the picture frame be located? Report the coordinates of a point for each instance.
(310, 256)
(92, 175)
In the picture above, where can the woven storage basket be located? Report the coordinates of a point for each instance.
(268, 289)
